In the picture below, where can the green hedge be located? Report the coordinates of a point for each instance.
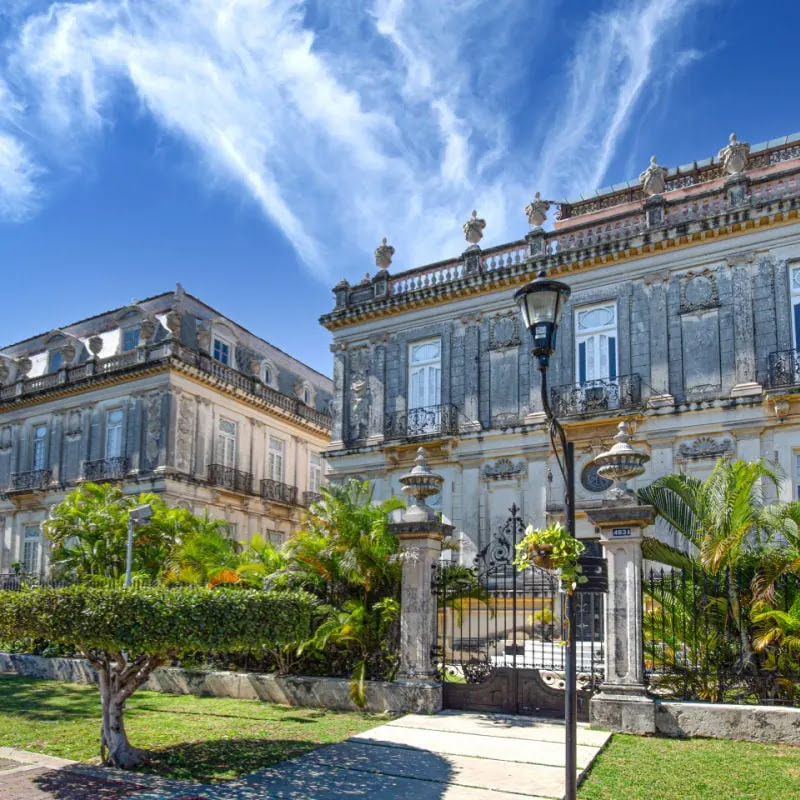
(157, 619)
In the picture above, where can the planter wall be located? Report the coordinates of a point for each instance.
(420, 697)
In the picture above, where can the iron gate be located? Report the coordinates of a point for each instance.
(499, 632)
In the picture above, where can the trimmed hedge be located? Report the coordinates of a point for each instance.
(158, 619)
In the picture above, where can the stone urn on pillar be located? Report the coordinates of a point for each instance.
(623, 704)
(420, 532)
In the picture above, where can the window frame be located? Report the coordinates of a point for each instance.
(422, 367)
(794, 303)
(37, 550)
(220, 455)
(216, 338)
(43, 441)
(315, 468)
(271, 457)
(268, 374)
(121, 426)
(128, 330)
(55, 353)
(582, 338)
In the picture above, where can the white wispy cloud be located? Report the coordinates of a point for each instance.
(19, 193)
(342, 121)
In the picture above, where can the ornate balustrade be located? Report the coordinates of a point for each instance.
(32, 481)
(106, 469)
(278, 492)
(230, 478)
(597, 396)
(418, 422)
(784, 368)
(311, 497)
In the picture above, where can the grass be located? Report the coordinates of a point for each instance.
(638, 768)
(202, 738)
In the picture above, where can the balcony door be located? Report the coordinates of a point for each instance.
(596, 343)
(226, 443)
(424, 386)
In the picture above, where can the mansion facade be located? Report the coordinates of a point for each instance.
(165, 395)
(684, 319)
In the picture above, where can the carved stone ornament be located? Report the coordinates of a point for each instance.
(503, 331)
(73, 427)
(174, 323)
(734, 156)
(699, 291)
(24, 365)
(95, 345)
(654, 178)
(536, 211)
(704, 447)
(153, 431)
(183, 444)
(473, 228)
(147, 329)
(255, 367)
(359, 393)
(383, 254)
(5, 438)
(4, 372)
(503, 469)
(204, 339)
(68, 353)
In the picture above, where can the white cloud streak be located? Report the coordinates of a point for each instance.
(343, 123)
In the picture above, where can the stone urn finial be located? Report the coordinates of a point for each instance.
(24, 365)
(420, 484)
(147, 329)
(734, 156)
(174, 322)
(654, 178)
(473, 228)
(203, 339)
(95, 345)
(68, 353)
(383, 254)
(620, 463)
(536, 211)
(4, 372)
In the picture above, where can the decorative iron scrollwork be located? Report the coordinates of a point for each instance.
(501, 548)
(477, 670)
(591, 397)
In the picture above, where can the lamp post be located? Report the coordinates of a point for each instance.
(138, 516)
(542, 302)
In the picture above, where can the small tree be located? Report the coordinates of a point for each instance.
(125, 634)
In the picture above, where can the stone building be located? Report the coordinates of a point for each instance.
(165, 395)
(684, 319)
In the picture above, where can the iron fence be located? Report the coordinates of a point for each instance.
(425, 421)
(230, 478)
(33, 480)
(705, 638)
(278, 492)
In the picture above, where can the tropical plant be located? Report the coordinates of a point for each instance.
(125, 633)
(552, 548)
(459, 587)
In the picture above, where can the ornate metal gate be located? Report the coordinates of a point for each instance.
(499, 632)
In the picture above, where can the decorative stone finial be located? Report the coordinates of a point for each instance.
(419, 484)
(383, 254)
(537, 211)
(473, 228)
(620, 463)
(68, 353)
(147, 329)
(4, 372)
(24, 365)
(734, 156)
(653, 179)
(95, 345)
(174, 322)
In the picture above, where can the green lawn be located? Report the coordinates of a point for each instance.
(204, 738)
(637, 768)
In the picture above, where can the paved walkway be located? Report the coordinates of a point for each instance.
(450, 756)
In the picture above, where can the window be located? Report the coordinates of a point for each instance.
(314, 472)
(222, 352)
(130, 339)
(232, 530)
(56, 361)
(276, 453)
(114, 420)
(596, 342)
(39, 455)
(307, 396)
(795, 286)
(31, 537)
(424, 374)
(226, 443)
(269, 374)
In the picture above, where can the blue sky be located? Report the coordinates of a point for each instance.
(257, 150)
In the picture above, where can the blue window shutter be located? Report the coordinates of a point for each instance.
(612, 356)
(797, 326)
(582, 362)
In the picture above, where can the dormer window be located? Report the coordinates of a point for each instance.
(130, 339)
(307, 396)
(222, 351)
(55, 361)
(269, 374)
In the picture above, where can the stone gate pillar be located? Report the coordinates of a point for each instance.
(420, 533)
(623, 704)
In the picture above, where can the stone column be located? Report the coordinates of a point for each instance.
(56, 443)
(339, 405)
(376, 378)
(622, 705)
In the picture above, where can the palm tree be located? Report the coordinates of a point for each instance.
(782, 559)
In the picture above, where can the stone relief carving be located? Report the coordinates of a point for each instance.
(153, 430)
(185, 436)
(359, 393)
(706, 447)
(473, 228)
(503, 331)
(536, 211)
(654, 178)
(503, 469)
(74, 427)
(734, 156)
(383, 254)
(699, 291)
(505, 419)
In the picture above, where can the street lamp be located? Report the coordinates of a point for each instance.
(542, 302)
(138, 516)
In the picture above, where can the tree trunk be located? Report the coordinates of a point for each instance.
(748, 657)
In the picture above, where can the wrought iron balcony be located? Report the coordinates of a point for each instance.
(230, 478)
(106, 469)
(311, 497)
(418, 422)
(784, 368)
(34, 480)
(597, 396)
(278, 492)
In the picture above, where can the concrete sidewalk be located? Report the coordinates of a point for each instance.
(450, 756)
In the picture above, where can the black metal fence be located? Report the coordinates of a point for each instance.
(12, 582)
(706, 639)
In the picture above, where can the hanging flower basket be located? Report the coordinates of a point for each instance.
(552, 548)
(543, 557)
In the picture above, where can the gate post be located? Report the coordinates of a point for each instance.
(420, 532)
(623, 705)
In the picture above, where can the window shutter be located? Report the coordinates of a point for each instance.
(796, 326)
(582, 362)
(612, 356)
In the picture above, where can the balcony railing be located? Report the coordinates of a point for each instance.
(597, 396)
(311, 497)
(230, 478)
(417, 422)
(106, 469)
(278, 492)
(784, 368)
(31, 481)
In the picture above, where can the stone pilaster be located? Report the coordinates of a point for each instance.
(377, 380)
(339, 405)
(659, 350)
(56, 443)
(471, 372)
(743, 328)
(622, 705)
(133, 429)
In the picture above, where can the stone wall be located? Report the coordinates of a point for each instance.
(418, 697)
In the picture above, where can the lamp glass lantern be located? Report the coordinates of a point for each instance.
(542, 302)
